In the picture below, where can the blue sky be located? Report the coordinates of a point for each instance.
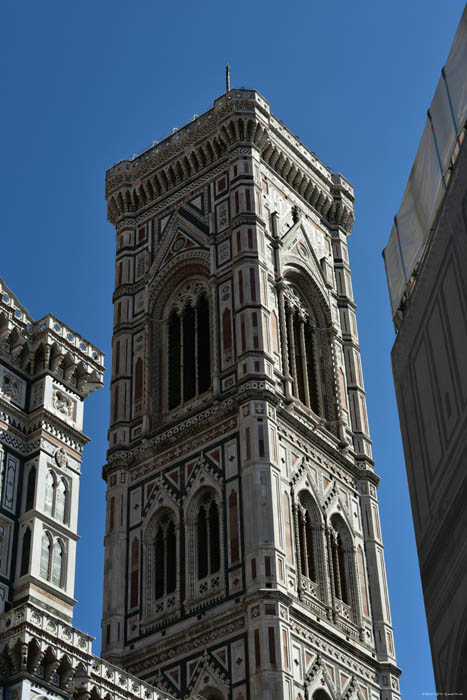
(87, 84)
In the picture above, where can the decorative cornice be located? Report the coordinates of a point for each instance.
(48, 345)
(28, 635)
(240, 117)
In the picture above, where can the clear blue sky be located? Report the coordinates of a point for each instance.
(86, 84)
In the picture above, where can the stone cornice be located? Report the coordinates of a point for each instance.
(239, 117)
(48, 345)
(28, 634)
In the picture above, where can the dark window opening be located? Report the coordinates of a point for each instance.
(342, 572)
(208, 538)
(160, 563)
(174, 360)
(189, 353)
(204, 346)
(189, 333)
(165, 558)
(25, 554)
(171, 559)
(31, 489)
(311, 369)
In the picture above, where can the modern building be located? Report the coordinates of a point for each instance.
(243, 549)
(426, 261)
(46, 372)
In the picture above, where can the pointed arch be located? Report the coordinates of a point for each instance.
(50, 481)
(161, 561)
(309, 344)
(61, 498)
(342, 563)
(31, 489)
(205, 543)
(310, 539)
(57, 569)
(46, 551)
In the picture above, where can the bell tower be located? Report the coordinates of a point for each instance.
(244, 556)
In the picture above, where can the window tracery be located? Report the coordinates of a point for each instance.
(188, 345)
(161, 557)
(303, 350)
(52, 563)
(309, 537)
(342, 567)
(56, 497)
(207, 538)
(205, 542)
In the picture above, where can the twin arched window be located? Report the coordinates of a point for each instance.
(189, 349)
(52, 567)
(56, 497)
(312, 544)
(162, 547)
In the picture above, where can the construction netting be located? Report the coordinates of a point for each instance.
(428, 179)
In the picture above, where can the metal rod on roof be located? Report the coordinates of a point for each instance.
(227, 78)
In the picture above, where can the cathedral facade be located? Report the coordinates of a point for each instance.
(243, 549)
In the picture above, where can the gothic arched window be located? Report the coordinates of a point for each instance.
(341, 560)
(310, 543)
(56, 497)
(307, 547)
(60, 500)
(165, 558)
(46, 547)
(49, 493)
(160, 560)
(303, 351)
(30, 489)
(189, 346)
(52, 563)
(58, 557)
(208, 538)
(205, 546)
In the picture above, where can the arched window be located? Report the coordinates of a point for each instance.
(208, 537)
(310, 542)
(56, 497)
(165, 558)
(49, 493)
(189, 347)
(46, 547)
(60, 500)
(308, 349)
(30, 489)
(341, 559)
(303, 353)
(307, 553)
(58, 557)
(52, 565)
(26, 552)
(321, 695)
